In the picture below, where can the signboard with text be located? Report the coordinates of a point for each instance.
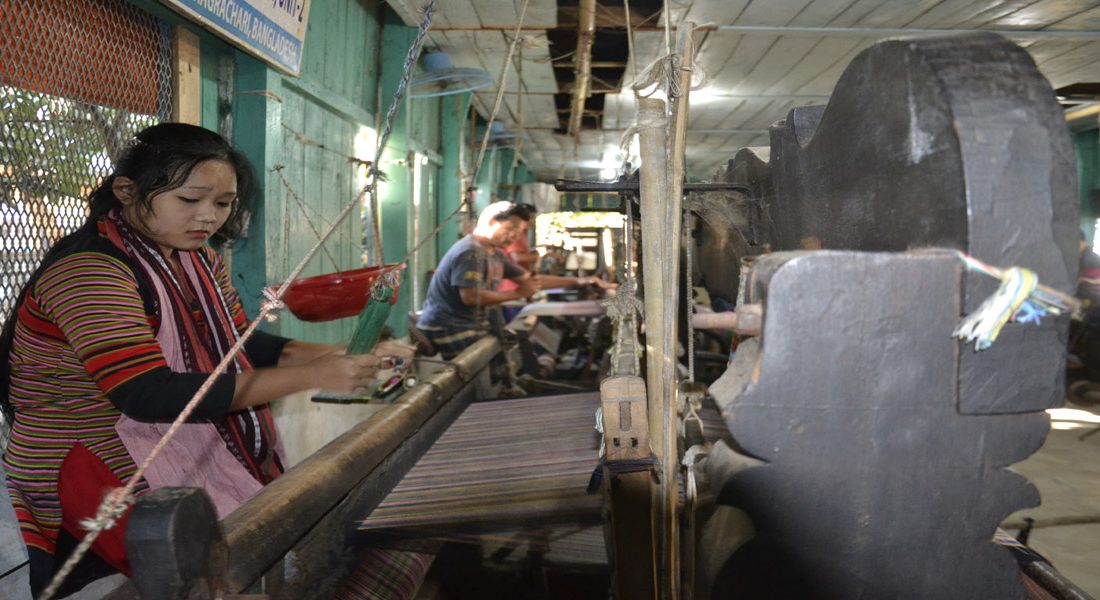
(273, 30)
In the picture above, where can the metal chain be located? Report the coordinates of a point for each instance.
(398, 96)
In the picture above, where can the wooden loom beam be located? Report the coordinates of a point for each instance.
(312, 510)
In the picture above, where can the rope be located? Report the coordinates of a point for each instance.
(278, 170)
(630, 41)
(305, 140)
(689, 241)
(116, 501)
(662, 75)
(519, 110)
(1019, 298)
(496, 102)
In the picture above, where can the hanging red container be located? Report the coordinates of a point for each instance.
(333, 296)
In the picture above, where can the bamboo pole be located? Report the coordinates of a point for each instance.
(662, 174)
(655, 238)
(659, 286)
(673, 216)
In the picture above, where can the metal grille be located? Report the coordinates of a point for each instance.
(77, 79)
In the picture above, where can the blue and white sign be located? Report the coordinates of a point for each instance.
(273, 30)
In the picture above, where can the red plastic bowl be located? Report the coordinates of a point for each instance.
(333, 296)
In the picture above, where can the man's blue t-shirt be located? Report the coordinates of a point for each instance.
(467, 264)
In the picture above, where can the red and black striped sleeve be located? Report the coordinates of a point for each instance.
(94, 302)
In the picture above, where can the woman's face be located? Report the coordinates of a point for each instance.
(184, 218)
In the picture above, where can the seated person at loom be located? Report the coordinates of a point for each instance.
(468, 280)
(114, 334)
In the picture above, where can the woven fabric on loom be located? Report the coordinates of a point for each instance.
(502, 464)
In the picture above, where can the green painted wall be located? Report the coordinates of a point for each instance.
(1087, 145)
(308, 129)
(453, 140)
(422, 128)
(302, 134)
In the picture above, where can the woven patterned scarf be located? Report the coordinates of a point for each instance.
(196, 330)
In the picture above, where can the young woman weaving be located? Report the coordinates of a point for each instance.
(115, 332)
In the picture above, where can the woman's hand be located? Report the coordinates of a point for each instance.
(391, 349)
(344, 373)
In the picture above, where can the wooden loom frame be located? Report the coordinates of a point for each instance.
(310, 513)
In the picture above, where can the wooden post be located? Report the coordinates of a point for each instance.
(186, 77)
(629, 496)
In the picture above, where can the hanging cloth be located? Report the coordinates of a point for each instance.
(230, 459)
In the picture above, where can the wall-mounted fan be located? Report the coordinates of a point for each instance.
(499, 137)
(442, 78)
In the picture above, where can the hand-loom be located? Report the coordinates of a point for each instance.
(854, 448)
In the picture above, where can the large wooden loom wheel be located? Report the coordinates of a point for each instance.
(883, 441)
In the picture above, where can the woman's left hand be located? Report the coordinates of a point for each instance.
(391, 349)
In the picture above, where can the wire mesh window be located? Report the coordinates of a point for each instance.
(77, 79)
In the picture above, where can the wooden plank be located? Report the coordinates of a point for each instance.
(896, 13)
(1046, 52)
(1043, 13)
(1087, 19)
(505, 13)
(716, 49)
(717, 12)
(782, 58)
(747, 111)
(545, 110)
(825, 55)
(824, 83)
(1052, 57)
(186, 77)
(748, 53)
(821, 12)
(711, 114)
(492, 49)
(1073, 66)
(772, 12)
(951, 13)
(852, 15)
(775, 111)
(457, 12)
(459, 45)
(407, 10)
(993, 11)
(648, 46)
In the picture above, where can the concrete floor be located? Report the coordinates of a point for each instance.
(1067, 472)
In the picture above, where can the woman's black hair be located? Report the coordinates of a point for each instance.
(159, 159)
(162, 157)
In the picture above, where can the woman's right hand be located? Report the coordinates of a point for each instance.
(344, 373)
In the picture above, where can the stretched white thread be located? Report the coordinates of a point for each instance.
(278, 169)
